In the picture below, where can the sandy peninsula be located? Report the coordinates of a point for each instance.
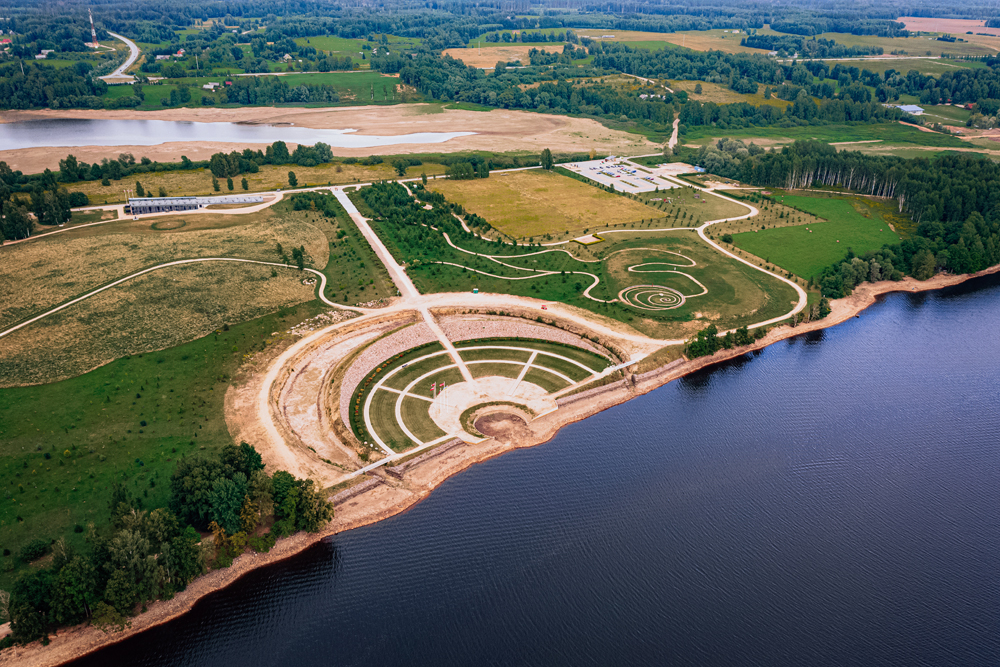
(500, 130)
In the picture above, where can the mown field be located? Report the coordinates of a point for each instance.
(535, 203)
(63, 445)
(806, 250)
(490, 54)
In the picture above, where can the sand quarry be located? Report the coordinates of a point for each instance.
(499, 130)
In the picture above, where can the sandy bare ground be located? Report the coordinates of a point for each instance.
(499, 130)
(390, 496)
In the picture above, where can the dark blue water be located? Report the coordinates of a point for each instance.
(832, 500)
(80, 132)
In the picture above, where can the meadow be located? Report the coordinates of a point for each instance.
(63, 445)
(697, 40)
(922, 45)
(714, 92)
(536, 203)
(894, 133)
(807, 249)
(192, 182)
(172, 305)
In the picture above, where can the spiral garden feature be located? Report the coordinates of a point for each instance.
(651, 297)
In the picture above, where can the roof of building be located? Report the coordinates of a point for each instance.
(911, 108)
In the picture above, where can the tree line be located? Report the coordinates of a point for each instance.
(153, 553)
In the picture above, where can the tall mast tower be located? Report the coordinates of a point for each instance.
(93, 32)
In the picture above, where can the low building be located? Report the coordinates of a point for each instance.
(911, 109)
(144, 205)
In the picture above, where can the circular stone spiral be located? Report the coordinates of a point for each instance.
(651, 297)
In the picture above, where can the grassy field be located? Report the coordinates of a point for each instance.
(925, 66)
(696, 40)
(270, 177)
(534, 203)
(62, 445)
(714, 92)
(353, 48)
(948, 114)
(172, 305)
(683, 209)
(354, 272)
(923, 45)
(353, 87)
(806, 250)
(152, 312)
(40, 274)
(894, 133)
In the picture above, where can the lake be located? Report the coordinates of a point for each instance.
(831, 500)
(81, 132)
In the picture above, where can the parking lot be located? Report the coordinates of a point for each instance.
(621, 175)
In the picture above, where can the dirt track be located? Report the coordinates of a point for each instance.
(499, 130)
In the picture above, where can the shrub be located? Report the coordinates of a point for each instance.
(34, 550)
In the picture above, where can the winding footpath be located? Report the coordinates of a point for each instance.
(411, 299)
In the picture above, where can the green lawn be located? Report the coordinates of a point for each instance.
(62, 445)
(806, 250)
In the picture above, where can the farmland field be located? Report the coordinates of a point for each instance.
(533, 203)
(807, 249)
(697, 40)
(488, 56)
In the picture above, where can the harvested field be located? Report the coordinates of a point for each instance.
(697, 40)
(499, 130)
(153, 312)
(532, 203)
(40, 274)
(953, 26)
(488, 56)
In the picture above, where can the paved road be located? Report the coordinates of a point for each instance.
(133, 55)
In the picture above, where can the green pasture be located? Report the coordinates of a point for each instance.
(63, 445)
(806, 250)
(894, 133)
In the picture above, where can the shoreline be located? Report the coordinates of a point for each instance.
(389, 495)
(504, 130)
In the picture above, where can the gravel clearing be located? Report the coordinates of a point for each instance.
(471, 327)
